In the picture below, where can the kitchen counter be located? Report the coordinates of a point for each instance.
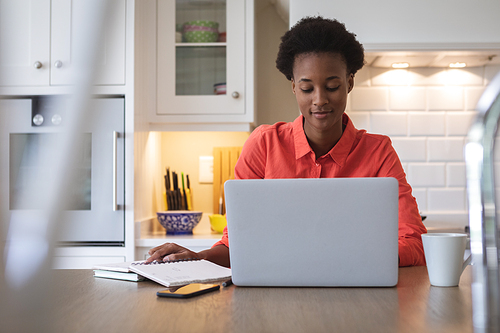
(413, 306)
(202, 238)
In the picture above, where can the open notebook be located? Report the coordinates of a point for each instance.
(169, 274)
(313, 232)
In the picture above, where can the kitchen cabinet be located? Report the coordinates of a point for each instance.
(412, 25)
(25, 42)
(40, 37)
(188, 72)
(419, 33)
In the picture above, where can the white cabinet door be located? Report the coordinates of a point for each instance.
(68, 34)
(411, 25)
(187, 71)
(24, 42)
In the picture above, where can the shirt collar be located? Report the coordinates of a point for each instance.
(338, 153)
(302, 147)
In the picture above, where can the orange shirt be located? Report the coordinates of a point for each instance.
(282, 151)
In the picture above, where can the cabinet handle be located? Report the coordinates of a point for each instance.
(58, 64)
(235, 94)
(115, 157)
(37, 65)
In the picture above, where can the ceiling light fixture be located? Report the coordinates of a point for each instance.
(400, 65)
(457, 65)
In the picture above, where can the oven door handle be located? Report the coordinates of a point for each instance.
(115, 171)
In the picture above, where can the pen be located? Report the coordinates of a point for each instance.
(227, 283)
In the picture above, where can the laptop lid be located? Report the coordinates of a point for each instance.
(313, 232)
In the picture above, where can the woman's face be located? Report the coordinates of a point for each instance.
(321, 84)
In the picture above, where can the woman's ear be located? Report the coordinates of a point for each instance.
(350, 81)
(293, 86)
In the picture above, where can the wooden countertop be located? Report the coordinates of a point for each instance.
(88, 304)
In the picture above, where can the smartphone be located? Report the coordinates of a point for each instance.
(190, 290)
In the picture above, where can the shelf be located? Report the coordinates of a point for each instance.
(200, 4)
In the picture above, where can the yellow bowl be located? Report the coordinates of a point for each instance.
(218, 222)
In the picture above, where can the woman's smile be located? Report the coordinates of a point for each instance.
(321, 114)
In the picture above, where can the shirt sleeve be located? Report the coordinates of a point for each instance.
(250, 165)
(224, 240)
(411, 252)
(252, 161)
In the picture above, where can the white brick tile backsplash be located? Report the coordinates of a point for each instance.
(458, 123)
(472, 96)
(445, 98)
(362, 78)
(389, 123)
(369, 98)
(361, 120)
(392, 77)
(427, 76)
(410, 149)
(421, 195)
(407, 98)
(446, 199)
(426, 123)
(445, 149)
(426, 175)
(455, 175)
(427, 112)
(472, 76)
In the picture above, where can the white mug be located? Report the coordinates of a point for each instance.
(444, 254)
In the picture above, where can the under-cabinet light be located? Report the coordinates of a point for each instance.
(457, 65)
(400, 65)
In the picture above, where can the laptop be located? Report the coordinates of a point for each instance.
(327, 232)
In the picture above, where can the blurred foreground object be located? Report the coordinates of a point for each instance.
(26, 285)
(482, 211)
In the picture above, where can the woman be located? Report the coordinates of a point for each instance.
(320, 58)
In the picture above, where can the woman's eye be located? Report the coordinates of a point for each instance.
(306, 90)
(332, 88)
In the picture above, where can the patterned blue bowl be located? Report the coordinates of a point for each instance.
(179, 222)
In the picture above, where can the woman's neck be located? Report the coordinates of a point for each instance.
(322, 142)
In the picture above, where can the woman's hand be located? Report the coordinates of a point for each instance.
(171, 252)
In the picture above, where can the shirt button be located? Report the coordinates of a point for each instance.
(317, 164)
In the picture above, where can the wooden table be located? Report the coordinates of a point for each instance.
(88, 304)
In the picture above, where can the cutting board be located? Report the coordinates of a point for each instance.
(225, 159)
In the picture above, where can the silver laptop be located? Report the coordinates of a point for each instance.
(328, 232)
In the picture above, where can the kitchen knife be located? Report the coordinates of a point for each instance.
(189, 194)
(184, 201)
(166, 192)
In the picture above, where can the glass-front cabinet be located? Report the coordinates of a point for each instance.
(204, 61)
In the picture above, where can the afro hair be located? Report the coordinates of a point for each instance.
(319, 35)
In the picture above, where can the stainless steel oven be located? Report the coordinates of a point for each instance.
(29, 127)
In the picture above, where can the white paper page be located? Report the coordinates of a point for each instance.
(183, 272)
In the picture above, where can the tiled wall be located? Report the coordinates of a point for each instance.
(427, 113)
